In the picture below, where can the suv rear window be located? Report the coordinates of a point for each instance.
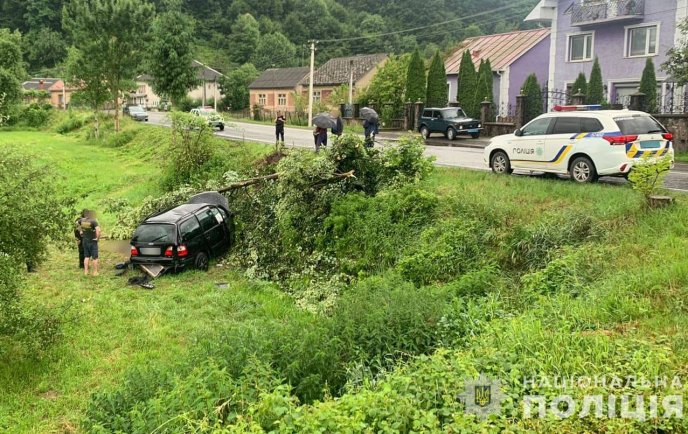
(155, 233)
(591, 125)
(639, 124)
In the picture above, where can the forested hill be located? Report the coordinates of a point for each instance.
(274, 32)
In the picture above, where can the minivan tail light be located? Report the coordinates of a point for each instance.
(620, 140)
(182, 251)
(134, 251)
(169, 252)
(668, 137)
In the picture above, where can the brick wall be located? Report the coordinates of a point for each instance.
(678, 125)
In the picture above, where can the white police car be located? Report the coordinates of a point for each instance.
(583, 141)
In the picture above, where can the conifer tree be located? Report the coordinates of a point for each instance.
(648, 86)
(595, 94)
(436, 94)
(531, 88)
(415, 78)
(467, 85)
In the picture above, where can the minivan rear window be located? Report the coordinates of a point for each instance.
(155, 233)
(639, 124)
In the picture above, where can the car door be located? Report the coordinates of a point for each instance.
(213, 231)
(527, 149)
(437, 123)
(564, 133)
(192, 235)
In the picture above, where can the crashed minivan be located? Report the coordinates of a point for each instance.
(186, 236)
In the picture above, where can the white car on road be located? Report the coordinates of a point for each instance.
(582, 141)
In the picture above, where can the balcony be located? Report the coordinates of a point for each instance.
(593, 12)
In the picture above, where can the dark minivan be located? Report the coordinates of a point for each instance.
(182, 237)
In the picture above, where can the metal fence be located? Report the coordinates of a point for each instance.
(554, 97)
(672, 100)
(605, 10)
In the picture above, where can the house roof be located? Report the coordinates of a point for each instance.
(203, 73)
(502, 49)
(337, 71)
(35, 83)
(280, 78)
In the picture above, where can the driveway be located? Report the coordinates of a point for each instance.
(462, 152)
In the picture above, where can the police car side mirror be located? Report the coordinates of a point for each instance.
(518, 132)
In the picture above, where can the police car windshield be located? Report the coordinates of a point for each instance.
(639, 124)
(154, 233)
(453, 113)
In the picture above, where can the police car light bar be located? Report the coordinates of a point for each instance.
(573, 108)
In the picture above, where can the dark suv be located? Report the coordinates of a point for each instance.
(450, 121)
(188, 235)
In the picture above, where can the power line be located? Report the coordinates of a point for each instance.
(479, 14)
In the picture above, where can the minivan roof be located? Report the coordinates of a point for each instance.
(175, 214)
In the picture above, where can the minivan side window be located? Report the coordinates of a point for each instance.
(207, 219)
(591, 125)
(190, 229)
(564, 125)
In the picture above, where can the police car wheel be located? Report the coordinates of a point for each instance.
(500, 163)
(451, 133)
(582, 170)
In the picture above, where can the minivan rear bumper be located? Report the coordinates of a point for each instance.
(174, 263)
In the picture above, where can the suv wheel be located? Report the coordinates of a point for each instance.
(424, 132)
(451, 133)
(582, 170)
(499, 163)
(221, 127)
(201, 261)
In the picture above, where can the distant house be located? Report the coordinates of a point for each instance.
(57, 94)
(622, 34)
(513, 56)
(207, 90)
(276, 87)
(343, 70)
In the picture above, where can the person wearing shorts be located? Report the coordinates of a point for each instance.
(90, 234)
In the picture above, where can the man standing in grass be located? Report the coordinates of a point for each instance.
(279, 127)
(90, 234)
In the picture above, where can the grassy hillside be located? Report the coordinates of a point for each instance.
(510, 276)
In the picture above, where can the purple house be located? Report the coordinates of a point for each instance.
(622, 34)
(513, 57)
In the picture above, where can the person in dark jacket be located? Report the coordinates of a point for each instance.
(370, 129)
(79, 243)
(338, 129)
(279, 127)
(320, 138)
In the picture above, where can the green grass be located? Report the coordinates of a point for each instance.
(631, 318)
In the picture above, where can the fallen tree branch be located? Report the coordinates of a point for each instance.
(248, 182)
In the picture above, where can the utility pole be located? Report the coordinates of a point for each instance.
(310, 85)
(351, 81)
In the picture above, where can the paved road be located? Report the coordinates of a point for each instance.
(466, 153)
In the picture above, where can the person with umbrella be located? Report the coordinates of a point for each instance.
(371, 125)
(322, 122)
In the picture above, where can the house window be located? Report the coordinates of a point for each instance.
(317, 96)
(642, 41)
(580, 47)
(262, 99)
(282, 99)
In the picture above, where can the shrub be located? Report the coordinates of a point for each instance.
(191, 148)
(446, 251)
(120, 139)
(35, 115)
(72, 123)
(647, 177)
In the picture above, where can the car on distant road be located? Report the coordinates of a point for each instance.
(186, 236)
(450, 121)
(214, 119)
(584, 142)
(136, 112)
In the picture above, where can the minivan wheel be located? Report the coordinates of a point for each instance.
(201, 261)
(582, 170)
(499, 163)
(424, 132)
(451, 133)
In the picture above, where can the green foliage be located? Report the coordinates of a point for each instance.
(111, 36)
(467, 84)
(11, 71)
(44, 48)
(533, 103)
(170, 54)
(234, 87)
(415, 78)
(436, 91)
(446, 251)
(190, 150)
(677, 63)
(274, 50)
(648, 175)
(580, 85)
(648, 86)
(35, 115)
(595, 93)
(485, 82)
(244, 39)
(72, 123)
(389, 83)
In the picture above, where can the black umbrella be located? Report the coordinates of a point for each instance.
(324, 120)
(369, 114)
